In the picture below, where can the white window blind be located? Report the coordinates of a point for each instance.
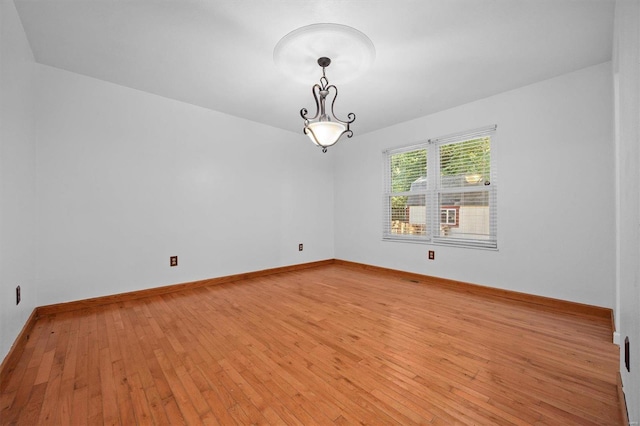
(443, 191)
(405, 194)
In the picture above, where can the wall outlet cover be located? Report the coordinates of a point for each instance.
(627, 354)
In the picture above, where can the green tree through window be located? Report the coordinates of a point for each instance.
(406, 168)
(471, 157)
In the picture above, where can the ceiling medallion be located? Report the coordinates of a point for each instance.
(351, 53)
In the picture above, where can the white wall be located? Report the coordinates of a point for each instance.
(127, 179)
(626, 65)
(556, 233)
(17, 177)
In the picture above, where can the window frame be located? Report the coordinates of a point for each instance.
(456, 216)
(434, 232)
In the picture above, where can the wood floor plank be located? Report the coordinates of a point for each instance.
(123, 393)
(13, 400)
(110, 411)
(54, 401)
(30, 413)
(79, 406)
(182, 398)
(142, 410)
(173, 412)
(326, 345)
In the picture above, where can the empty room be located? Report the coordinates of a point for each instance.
(237, 212)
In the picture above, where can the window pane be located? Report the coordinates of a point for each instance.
(466, 163)
(407, 168)
(470, 218)
(408, 174)
(406, 219)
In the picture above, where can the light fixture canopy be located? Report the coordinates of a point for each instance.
(324, 129)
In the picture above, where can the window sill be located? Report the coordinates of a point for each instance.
(434, 242)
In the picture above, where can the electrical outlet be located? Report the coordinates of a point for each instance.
(17, 295)
(300, 247)
(627, 354)
(432, 255)
(173, 261)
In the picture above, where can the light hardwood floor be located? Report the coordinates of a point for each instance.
(326, 345)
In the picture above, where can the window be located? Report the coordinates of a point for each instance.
(449, 215)
(443, 191)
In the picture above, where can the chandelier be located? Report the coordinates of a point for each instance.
(323, 129)
(352, 54)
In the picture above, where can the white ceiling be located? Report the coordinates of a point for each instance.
(430, 54)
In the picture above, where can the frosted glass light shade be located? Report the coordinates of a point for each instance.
(325, 133)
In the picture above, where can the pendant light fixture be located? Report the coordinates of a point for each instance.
(324, 129)
(352, 53)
